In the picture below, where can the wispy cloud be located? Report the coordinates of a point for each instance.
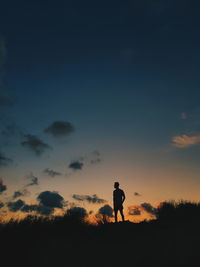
(137, 194)
(85, 161)
(91, 199)
(20, 193)
(35, 144)
(51, 172)
(182, 141)
(34, 180)
(96, 157)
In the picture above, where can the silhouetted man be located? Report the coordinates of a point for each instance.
(118, 199)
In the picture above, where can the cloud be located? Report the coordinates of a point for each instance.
(137, 194)
(60, 128)
(29, 208)
(92, 158)
(35, 144)
(50, 199)
(148, 208)
(20, 193)
(47, 202)
(77, 212)
(51, 173)
(106, 210)
(16, 205)
(40, 209)
(76, 165)
(134, 210)
(1, 205)
(182, 141)
(4, 161)
(20, 205)
(2, 186)
(34, 180)
(91, 199)
(45, 210)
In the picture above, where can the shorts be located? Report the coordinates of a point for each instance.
(118, 207)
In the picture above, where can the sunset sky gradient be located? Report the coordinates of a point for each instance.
(97, 92)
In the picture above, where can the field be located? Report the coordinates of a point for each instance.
(170, 240)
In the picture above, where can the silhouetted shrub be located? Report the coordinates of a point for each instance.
(177, 211)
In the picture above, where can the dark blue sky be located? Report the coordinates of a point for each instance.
(124, 73)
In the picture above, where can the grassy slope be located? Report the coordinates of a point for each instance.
(164, 242)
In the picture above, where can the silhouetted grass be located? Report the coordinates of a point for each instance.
(171, 240)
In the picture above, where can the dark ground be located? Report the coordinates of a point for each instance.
(157, 244)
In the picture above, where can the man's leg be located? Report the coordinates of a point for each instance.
(122, 214)
(115, 211)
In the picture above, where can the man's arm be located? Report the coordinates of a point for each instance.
(123, 196)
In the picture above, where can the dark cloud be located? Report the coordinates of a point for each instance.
(76, 165)
(50, 199)
(60, 128)
(91, 199)
(20, 193)
(2, 186)
(35, 144)
(1, 205)
(45, 210)
(20, 205)
(34, 180)
(83, 161)
(16, 205)
(29, 208)
(4, 161)
(106, 210)
(137, 194)
(40, 209)
(134, 210)
(78, 212)
(51, 172)
(148, 208)
(47, 202)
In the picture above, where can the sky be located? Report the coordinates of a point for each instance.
(97, 92)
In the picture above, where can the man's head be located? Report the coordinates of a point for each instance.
(116, 185)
